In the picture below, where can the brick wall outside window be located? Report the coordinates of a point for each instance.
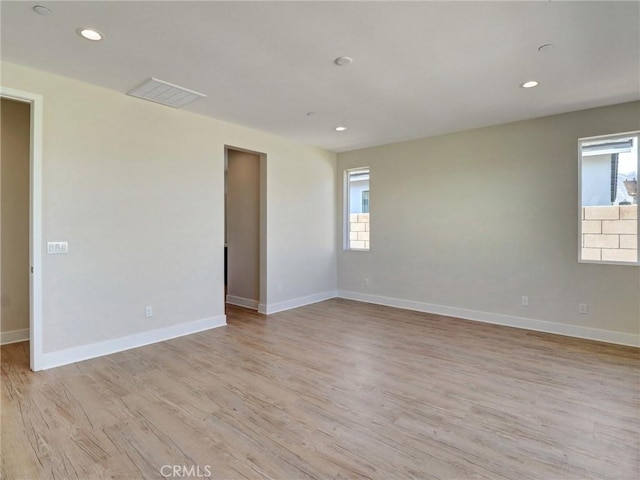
(359, 230)
(610, 233)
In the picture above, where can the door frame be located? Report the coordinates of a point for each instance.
(262, 274)
(35, 220)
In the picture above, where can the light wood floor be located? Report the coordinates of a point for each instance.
(334, 390)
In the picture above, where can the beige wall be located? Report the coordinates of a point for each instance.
(243, 225)
(513, 191)
(137, 189)
(14, 192)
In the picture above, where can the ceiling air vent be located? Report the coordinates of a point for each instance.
(165, 93)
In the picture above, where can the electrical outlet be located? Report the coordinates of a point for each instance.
(583, 309)
(525, 301)
(366, 282)
(148, 311)
(279, 287)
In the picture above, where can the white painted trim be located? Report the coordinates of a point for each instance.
(14, 336)
(296, 302)
(242, 302)
(35, 219)
(107, 347)
(577, 331)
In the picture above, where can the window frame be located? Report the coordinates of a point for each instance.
(346, 204)
(635, 133)
(365, 201)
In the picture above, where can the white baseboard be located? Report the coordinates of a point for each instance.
(107, 347)
(578, 331)
(14, 336)
(242, 302)
(296, 302)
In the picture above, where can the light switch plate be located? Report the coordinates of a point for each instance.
(57, 248)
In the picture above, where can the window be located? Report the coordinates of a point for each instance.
(609, 199)
(356, 201)
(365, 201)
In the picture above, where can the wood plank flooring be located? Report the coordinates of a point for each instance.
(334, 390)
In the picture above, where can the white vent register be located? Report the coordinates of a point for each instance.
(165, 93)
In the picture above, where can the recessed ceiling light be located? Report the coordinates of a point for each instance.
(90, 34)
(310, 114)
(340, 129)
(39, 9)
(343, 61)
(547, 47)
(529, 84)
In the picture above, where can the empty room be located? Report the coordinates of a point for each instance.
(319, 240)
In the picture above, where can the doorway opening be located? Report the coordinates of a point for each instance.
(245, 220)
(21, 221)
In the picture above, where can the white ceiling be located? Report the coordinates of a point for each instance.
(420, 68)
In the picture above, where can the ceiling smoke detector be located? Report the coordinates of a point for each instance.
(343, 61)
(165, 93)
(40, 10)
